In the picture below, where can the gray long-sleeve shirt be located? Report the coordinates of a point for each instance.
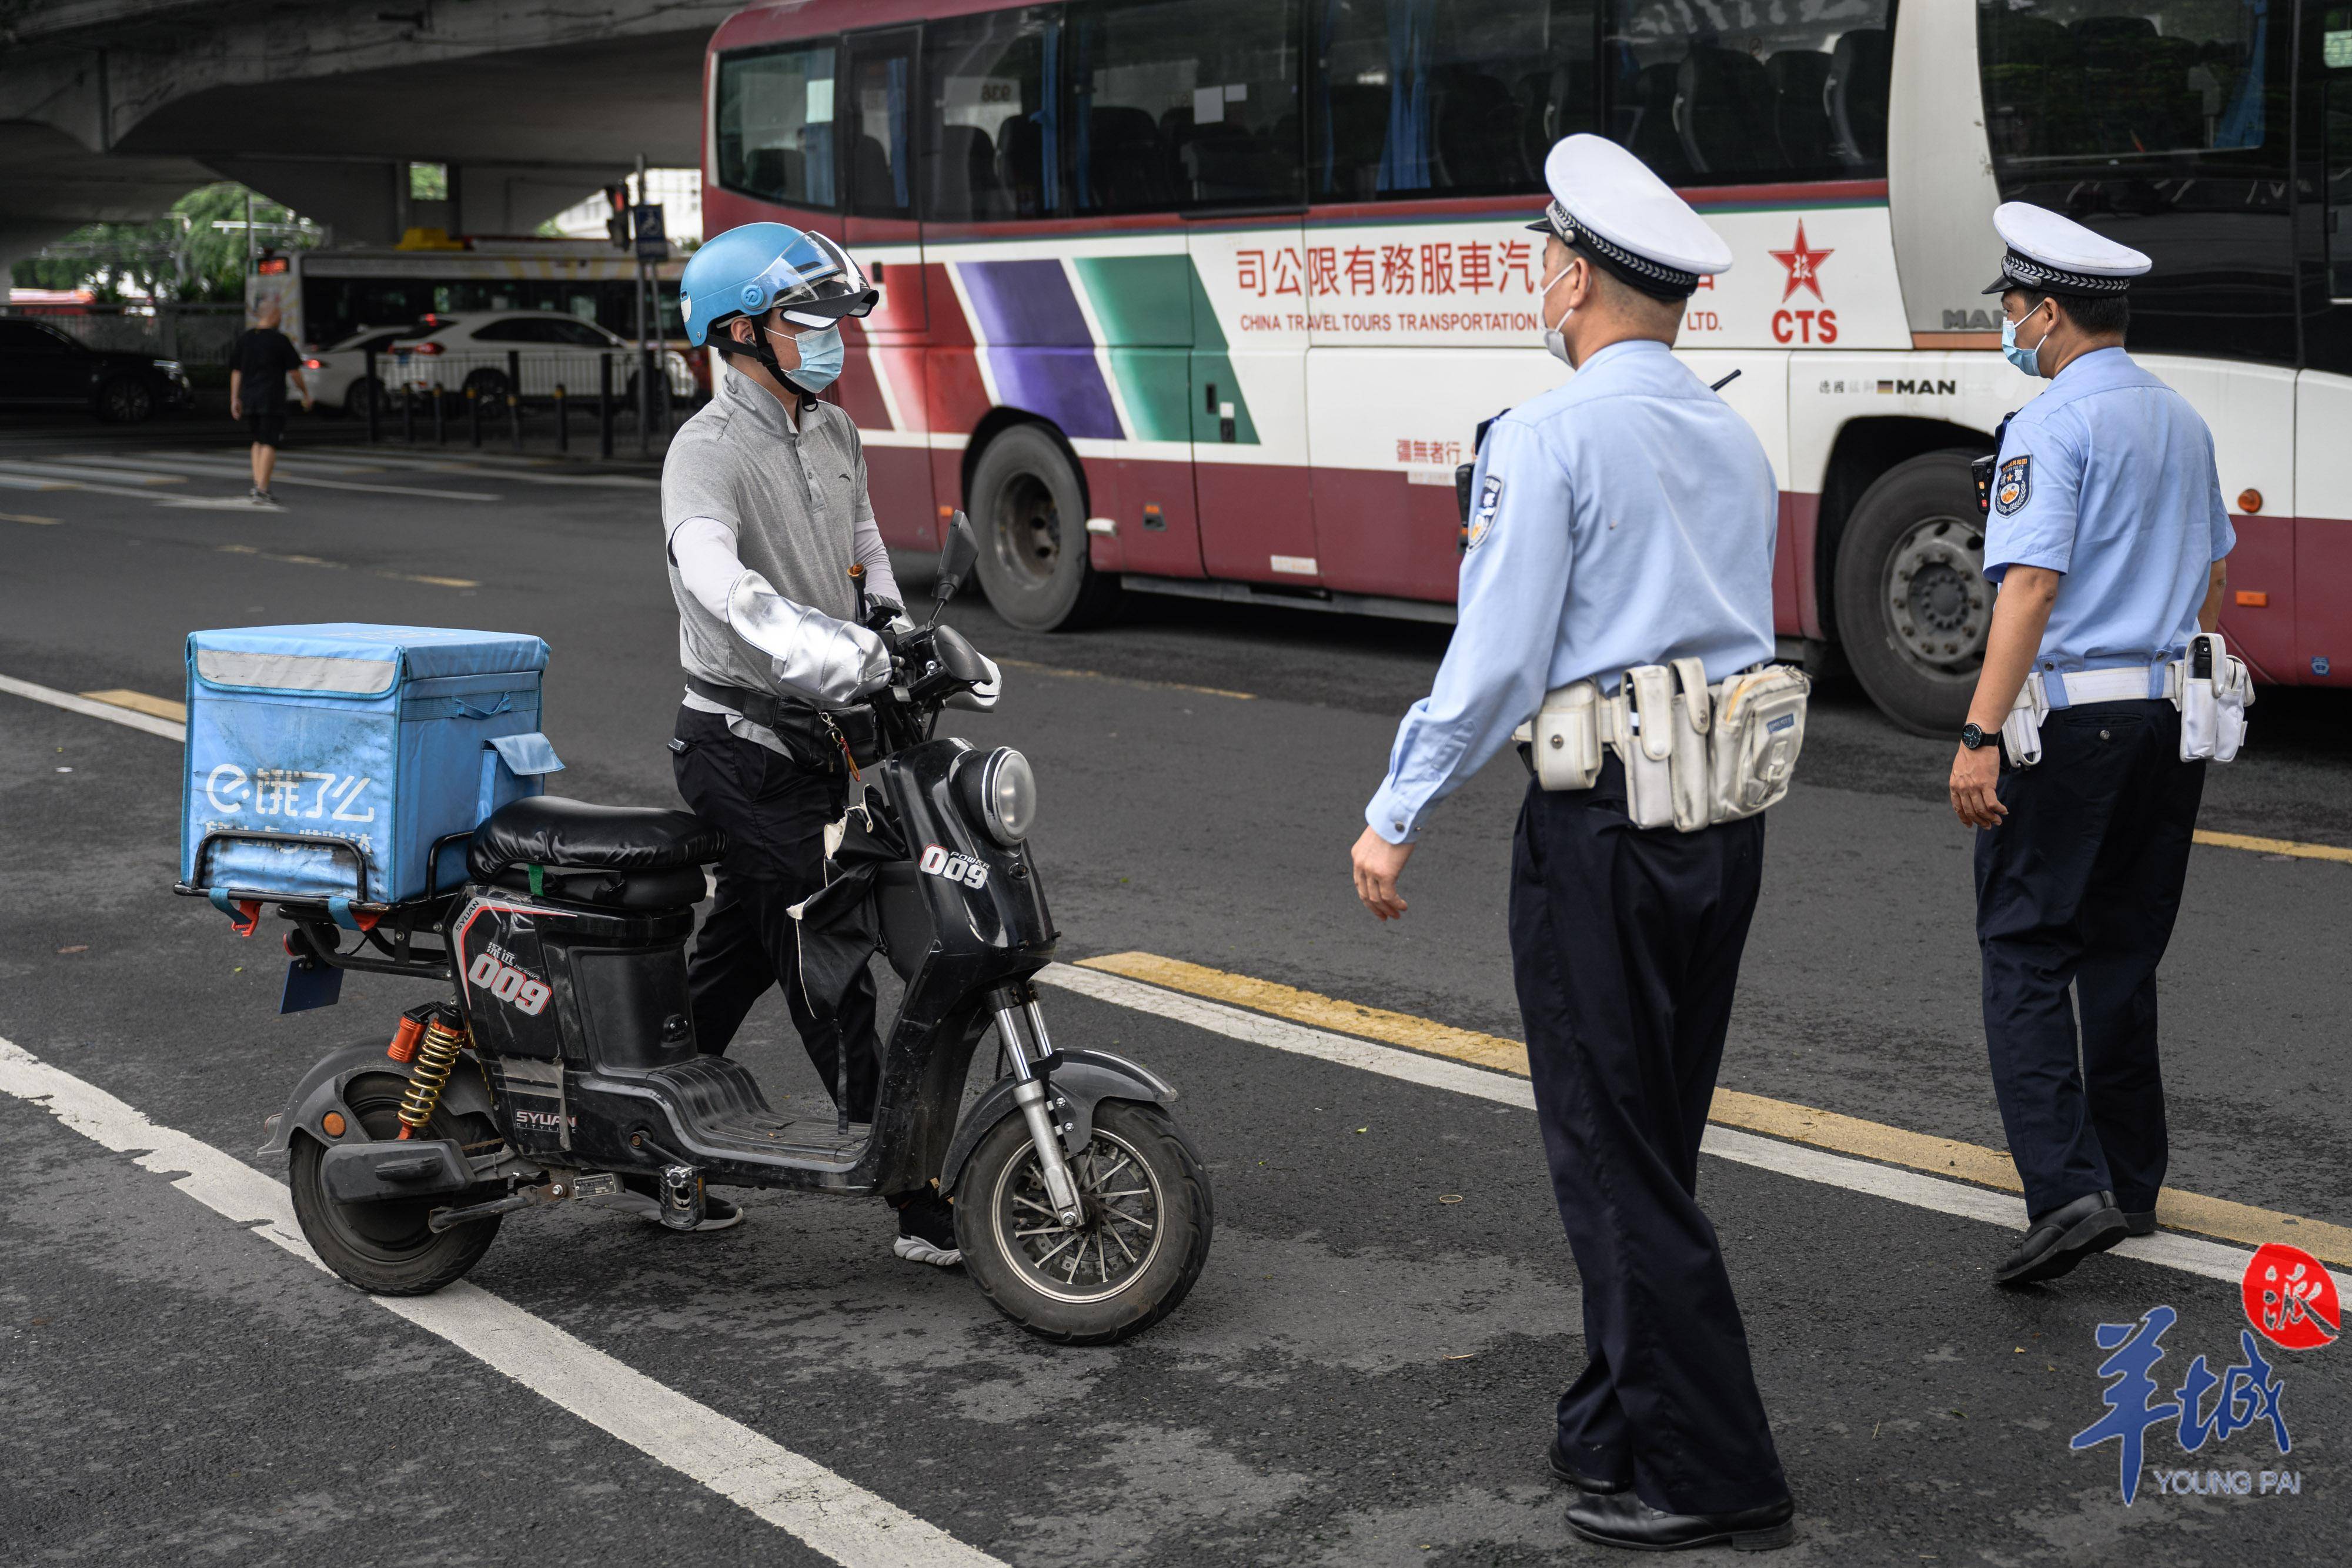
(796, 503)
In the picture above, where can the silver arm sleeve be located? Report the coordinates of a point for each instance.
(811, 657)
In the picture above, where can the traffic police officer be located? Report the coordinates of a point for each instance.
(768, 480)
(2106, 534)
(1625, 518)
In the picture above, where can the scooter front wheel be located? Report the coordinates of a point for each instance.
(1125, 1266)
(386, 1249)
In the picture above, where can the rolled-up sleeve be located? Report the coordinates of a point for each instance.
(1513, 584)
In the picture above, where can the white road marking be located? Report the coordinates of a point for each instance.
(485, 465)
(829, 1513)
(2188, 1254)
(130, 718)
(200, 468)
(64, 470)
(30, 482)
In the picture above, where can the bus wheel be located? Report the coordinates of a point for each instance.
(1031, 515)
(1913, 606)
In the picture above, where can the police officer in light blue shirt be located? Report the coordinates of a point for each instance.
(2105, 532)
(1625, 518)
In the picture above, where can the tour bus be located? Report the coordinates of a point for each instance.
(1210, 297)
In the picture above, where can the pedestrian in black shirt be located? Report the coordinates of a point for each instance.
(259, 366)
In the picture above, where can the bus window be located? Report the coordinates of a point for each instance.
(2164, 124)
(2334, 81)
(2072, 78)
(878, 101)
(1422, 97)
(1183, 103)
(774, 122)
(992, 135)
(1744, 93)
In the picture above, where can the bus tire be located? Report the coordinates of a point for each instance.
(1913, 606)
(1030, 513)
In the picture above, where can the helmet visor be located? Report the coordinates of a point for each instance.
(815, 283)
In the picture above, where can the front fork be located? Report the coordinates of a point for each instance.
(1032, 1092)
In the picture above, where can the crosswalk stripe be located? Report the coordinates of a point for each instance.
(208, 470)
(831, 1513)
(84, 471)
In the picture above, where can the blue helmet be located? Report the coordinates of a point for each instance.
(752, 269)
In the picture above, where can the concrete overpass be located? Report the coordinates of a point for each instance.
(111, 110)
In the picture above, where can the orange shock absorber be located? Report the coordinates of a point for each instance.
(402, 1048)
(436, 1058)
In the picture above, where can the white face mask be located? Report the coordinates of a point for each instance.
(1555, 345)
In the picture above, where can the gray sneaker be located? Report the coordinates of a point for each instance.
(927, 1231)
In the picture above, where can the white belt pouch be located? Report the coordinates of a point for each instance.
(2214, 691)
(1693, 755)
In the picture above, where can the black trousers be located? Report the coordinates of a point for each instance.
(2077, 889)
(1626, 944)
(774, 811)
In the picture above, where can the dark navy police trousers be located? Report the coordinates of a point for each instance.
(1626, 944)
(2076, 890)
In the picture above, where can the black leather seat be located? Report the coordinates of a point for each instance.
(623, 857)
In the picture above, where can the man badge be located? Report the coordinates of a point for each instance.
(2014, 485)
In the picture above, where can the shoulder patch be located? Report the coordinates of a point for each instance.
(2014, 484)
(1482, 514)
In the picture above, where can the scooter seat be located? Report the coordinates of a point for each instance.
(633, 857)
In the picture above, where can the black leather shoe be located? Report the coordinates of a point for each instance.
(2141, 1222)
(1624, 1520)
(1565, 1468)
(2063, 1237)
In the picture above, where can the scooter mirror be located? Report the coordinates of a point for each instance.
(957, 553)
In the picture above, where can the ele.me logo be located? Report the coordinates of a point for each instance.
(2291, 1300)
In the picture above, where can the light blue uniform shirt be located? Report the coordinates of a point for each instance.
(2108, 477)
(1625, 517)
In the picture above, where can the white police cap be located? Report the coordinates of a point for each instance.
(1607, 203)
(2056, 255)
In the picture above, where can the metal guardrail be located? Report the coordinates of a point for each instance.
(474, 398)
(192, 334)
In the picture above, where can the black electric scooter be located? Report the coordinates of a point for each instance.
(566, 1058)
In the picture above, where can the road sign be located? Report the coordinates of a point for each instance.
(653, 245)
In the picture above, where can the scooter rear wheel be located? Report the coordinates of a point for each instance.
(1126, 1266)
(386, 1249)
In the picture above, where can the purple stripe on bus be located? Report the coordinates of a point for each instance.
(1065, 385)
(1025, 302)
(1040, 350)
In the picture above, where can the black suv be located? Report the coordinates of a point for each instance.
(40, 365)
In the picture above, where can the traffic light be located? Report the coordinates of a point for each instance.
(617, 221)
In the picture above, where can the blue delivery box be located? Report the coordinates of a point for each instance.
(326, 762)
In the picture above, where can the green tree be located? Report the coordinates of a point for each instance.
(194, 253)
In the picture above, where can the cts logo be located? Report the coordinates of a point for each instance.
(964, 869)
(509, 985)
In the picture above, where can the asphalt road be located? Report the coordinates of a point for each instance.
(1364, 1374)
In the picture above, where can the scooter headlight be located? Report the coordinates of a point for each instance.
(1001, 793)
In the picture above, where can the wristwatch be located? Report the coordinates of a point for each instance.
(1973, 736)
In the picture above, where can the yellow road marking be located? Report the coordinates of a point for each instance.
(436, 582)
(2275, 847)
(1127, 680)
(1783, 1119)
(140, 702)
(21, 518)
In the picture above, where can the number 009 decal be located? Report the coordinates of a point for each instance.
(972, 872)
(509, 985)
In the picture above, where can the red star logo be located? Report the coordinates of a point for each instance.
(1804, 264)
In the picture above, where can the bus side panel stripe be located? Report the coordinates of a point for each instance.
(1039, 347)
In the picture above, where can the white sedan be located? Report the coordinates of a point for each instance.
(478, 350)
(337, 375)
